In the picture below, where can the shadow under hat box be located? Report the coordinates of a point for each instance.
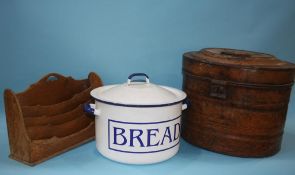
(239, 101)
(48, 119)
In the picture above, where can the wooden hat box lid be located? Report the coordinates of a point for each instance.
(47, 119)
(239, 101)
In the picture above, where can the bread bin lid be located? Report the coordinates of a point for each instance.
(239, 66)
(138, 93)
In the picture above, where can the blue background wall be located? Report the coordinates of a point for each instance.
(115, 38)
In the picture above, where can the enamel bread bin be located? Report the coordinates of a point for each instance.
(137, 122)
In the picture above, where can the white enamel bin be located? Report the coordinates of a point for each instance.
(137, 122)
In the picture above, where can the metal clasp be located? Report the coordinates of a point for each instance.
(218, 89)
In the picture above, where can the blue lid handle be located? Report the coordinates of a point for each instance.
(147, 80)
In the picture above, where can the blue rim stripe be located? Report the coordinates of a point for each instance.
(139, 106)
(144, 123)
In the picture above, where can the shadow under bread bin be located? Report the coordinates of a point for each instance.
(239, 101)
(137, 122)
